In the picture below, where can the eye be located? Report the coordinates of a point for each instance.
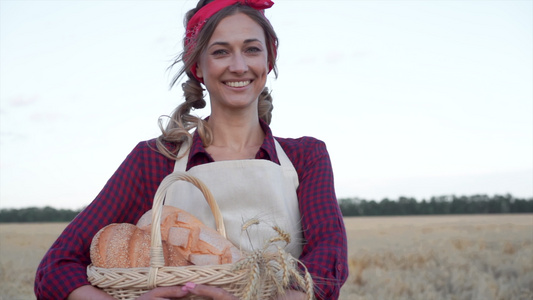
(219, 52)
(253, 49)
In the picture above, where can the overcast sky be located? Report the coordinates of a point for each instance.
(413, 98)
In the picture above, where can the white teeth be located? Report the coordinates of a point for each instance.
(238, 83)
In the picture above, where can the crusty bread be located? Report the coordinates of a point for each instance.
(195, 241)
(185, 241)
(127, 246)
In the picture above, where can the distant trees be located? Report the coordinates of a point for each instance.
(37, 214)
(476, 204)
(450, 204)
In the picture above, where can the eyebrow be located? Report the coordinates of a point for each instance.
(247, 41)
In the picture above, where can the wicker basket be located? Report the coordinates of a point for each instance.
(260, 274)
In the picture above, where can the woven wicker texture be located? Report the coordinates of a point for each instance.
(262, 274)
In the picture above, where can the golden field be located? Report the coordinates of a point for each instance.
(422, 257)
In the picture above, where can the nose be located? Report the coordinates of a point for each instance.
(238, 64)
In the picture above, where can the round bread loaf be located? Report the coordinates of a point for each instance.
(197, 243)
(123, 245)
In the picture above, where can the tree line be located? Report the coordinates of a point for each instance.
(37, 214)
(449, 204)
(476, 204)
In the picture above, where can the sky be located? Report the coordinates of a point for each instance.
(412, 98)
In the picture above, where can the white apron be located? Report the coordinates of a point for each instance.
(244, 190)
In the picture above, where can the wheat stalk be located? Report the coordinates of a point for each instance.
(273, 271)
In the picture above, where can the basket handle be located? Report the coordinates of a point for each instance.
(157, 259)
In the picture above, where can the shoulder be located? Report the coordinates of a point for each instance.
(302, 144)
(144, 148)
(149, 147)
(146, 165)
(146, 152)
(304, 150)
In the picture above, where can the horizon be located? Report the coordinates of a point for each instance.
(356, 199)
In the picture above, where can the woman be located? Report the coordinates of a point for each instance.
(230, 47)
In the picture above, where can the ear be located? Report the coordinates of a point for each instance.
(199, 73)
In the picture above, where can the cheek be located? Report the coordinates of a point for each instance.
(210, 69)
(262, 66)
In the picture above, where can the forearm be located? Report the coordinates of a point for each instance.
(328, 275)
(325, 257)
(325, 250)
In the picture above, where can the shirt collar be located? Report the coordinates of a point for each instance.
(197, 147)
(268, 146)
(266, 151)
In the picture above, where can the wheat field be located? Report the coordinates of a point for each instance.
(481, 257)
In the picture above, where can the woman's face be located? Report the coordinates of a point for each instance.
(234, 65)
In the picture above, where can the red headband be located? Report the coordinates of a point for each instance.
(199, 19)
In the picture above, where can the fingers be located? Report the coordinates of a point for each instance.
(209, 291)
(293, 295)
(175, 292)
(162, 293)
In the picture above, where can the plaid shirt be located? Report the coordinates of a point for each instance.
(130, 191)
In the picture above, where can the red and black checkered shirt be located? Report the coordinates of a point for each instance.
(130, 191)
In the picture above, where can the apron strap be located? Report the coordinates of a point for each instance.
(181, 164)
(286, 165)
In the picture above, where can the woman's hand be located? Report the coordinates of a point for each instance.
(177, 292)
(208, 291)
(165, 293)
(221, 294)
(88, 292)
(293, 295)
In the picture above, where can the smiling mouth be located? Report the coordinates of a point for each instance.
(237, 83)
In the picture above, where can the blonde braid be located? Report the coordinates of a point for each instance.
(265, 106)
(182, 122)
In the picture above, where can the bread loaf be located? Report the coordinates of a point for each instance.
(185, 240)
(196, 242)
(127, 246)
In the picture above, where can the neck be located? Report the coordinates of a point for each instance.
(235, 137)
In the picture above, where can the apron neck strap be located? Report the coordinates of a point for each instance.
(181, 164)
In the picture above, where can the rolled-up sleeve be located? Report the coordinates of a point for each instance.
(325, 246)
